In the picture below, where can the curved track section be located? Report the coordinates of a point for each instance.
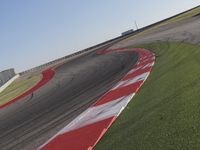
(47, 75)
(87, 129)
(76, 85)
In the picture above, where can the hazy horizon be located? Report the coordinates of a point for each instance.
(36, 32)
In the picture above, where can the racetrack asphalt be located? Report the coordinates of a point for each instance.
(76, 85)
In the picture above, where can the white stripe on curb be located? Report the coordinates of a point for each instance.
(140, 77)
(110, 106)
(96, 114)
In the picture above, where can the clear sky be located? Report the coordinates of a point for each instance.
(33, 32)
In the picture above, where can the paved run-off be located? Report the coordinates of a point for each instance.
(165, 113)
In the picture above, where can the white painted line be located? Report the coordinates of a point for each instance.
(3, 87)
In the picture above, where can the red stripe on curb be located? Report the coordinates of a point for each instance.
(85, 131)
(82, 138)
(119, 92)
(47, 75)
(136, 73)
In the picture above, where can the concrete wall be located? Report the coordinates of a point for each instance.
(6, 75)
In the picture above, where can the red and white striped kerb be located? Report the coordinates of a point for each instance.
(86, 130)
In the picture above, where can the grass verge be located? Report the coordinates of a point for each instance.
(183, 16)
(18, 87)
(165, 113)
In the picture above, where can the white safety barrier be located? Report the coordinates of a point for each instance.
(3, 87)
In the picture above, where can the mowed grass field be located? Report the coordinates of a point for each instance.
(165, 114)
(17, 88)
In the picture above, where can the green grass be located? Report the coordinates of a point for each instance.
(176, 19)
(18, 87)
(165, 114)
(170, 21)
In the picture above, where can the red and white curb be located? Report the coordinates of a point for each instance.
(85, 131)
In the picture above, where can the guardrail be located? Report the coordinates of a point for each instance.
(3, 87)
(103, 44)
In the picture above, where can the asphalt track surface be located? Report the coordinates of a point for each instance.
(76, 85)
(182, 31)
